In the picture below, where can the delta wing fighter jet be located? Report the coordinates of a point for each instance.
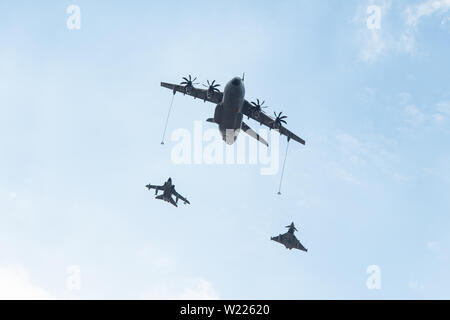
(231, 107)
(168, 190)
(289, 240)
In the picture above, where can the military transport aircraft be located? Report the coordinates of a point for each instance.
(231, 107)
(168, 190)
(289, 240)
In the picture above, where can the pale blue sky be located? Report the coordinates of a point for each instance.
(81, 118)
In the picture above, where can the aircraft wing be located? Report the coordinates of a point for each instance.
(280, 239)
(179, 196)
(150, 186)
(198, 93)
(277, 238)
(264, 119)
(299, 246)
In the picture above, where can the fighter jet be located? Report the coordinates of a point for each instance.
(168, 190)
(289, 240)
(231, 106)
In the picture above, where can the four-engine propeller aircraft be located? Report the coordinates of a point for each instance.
(231, 107)
(168, 190)
(289, 240)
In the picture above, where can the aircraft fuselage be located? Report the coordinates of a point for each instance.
(230, 110)
(168, 190)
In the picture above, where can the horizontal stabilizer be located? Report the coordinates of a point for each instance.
(173, 202)
(210, 120)
(253, 134)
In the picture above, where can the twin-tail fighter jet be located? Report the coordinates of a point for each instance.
(231, 107)
(289, 240)
(168, 190)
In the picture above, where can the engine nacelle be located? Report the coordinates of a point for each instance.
(218, 113)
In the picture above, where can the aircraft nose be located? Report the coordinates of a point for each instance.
(236, 81)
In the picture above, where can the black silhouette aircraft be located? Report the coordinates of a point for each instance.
(168, 190)
(231, 107)
(289, 240)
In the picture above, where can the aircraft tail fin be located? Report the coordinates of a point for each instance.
(161, 197)
(253, 134)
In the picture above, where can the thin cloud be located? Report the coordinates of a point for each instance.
(377, 43)
(415, 117)
(195, 289)
(414, 14)
(203, 290)
(427, 8)
(15, 284)
(444, 107)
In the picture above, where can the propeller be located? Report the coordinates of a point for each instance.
(188, 83)
(258, 106)
(279, 120)
(212, 87)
